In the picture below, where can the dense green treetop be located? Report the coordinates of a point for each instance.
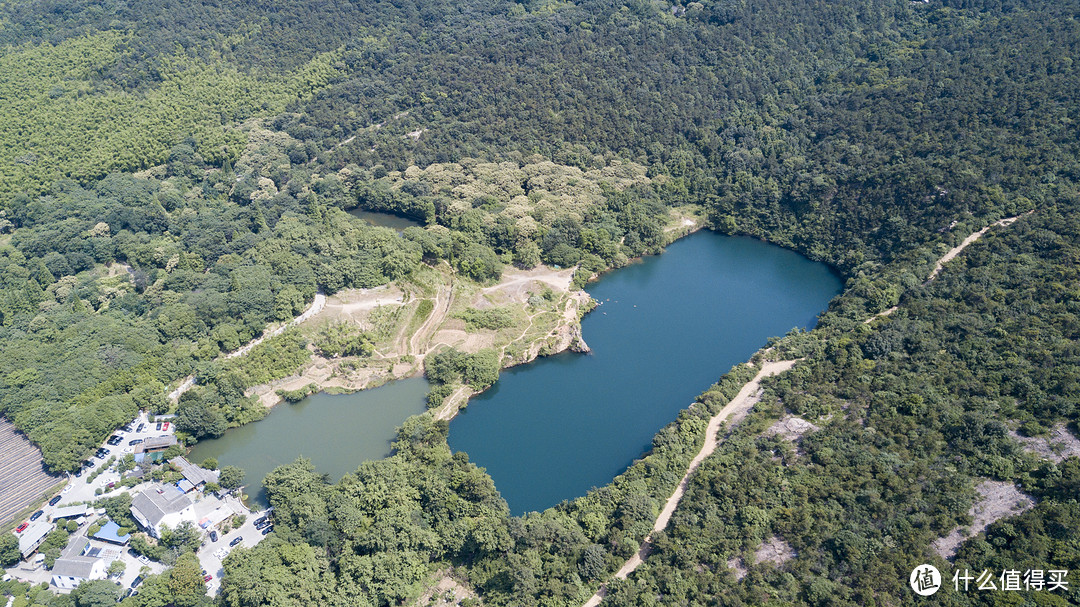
(872, 134)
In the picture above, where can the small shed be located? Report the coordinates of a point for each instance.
(69, 512)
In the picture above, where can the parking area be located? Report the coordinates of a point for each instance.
(212, 553)
(79, 490)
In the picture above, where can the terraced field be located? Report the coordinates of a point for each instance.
(23, 477)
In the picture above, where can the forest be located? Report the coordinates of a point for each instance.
(175, 178)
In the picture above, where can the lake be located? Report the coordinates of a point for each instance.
(335, 431)
(667, 328)
(385, 220)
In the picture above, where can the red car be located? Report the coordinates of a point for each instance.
(166, 426)
(22, 527)
(208, 577)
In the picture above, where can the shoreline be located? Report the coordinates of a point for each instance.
(566, 334)
(562, 335)
(749, 394)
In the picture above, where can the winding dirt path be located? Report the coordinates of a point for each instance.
(437, 317)
(953, 252)
(746, 398)
(316, 306)
(450, 407)
(950, 255)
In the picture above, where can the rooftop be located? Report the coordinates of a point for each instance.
(76, 548)
(33, 535)
(76, 566)
(192, 473)
(109, 533)
(69, 512)
(158, 501)
(158, 442)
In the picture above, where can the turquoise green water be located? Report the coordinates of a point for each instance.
(385, 220)
(667, 329)
(335, 431)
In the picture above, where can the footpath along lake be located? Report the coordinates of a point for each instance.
(667, 328)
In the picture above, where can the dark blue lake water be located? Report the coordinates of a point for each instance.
(666, 329)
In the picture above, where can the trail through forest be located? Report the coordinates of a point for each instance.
(315, 307)
(950, 255)
(947, 257)
(743, 401)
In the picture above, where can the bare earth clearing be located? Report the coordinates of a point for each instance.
(448, 591)
(997, 499)
(791, 429)
(774, 550)
(1061, 445)
(546, 327)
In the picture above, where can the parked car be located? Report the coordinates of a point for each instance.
(23, 527)
(268, 530)
(126, 427)
(135, 582)
(135, 441)
(166, 426)
(110, 486)
(78, 473)
(35, 516)
(236, 540)
(213, 535)
(54, 500)
(207, 577)
(158, 426)
(140, 428)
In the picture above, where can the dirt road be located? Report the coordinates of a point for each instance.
(743, 401)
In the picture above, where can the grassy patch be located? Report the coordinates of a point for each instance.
(492, 318)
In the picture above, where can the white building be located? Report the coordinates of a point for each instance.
(77, 565)
(69, 573)
(162, 506)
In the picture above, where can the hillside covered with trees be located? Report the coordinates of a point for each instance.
(174, 179)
